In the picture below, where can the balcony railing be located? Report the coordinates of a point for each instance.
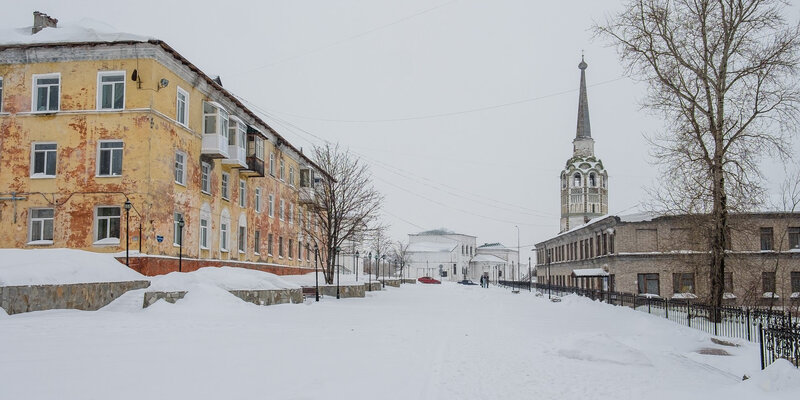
(306, 195)
(236, 156)
(215, 145)
(254, 167)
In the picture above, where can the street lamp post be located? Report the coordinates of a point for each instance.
(356, 260)
(530, 279)
(338, 268)
(383, 259)
(316, 269)
(518, 277)
(549, 283)
(128, 206)
(369, 258)
(181, 223)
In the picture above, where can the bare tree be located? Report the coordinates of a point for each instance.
(380, 246)
(401, 256)
(343, 206)
(723, 75)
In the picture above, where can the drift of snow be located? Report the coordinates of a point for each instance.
(417, 342)
(61, 266)
(85, 30)
(228, 278)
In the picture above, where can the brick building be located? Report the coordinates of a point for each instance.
(667, 256)
(116, 140)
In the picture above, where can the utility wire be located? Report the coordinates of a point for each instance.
(451, 113)
(347, 39)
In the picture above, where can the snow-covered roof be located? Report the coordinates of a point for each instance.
(638, 217)
(431, 247)
(498, 246)
(487, 258)
(86, 30)
(589, 272)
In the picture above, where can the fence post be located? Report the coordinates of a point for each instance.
(761, 343)
(689, 312)
(716, 322)
(748, 324)
(666, 308)
(648, 305)
(634, 301)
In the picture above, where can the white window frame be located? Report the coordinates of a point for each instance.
(257, 242)
(225, 186)
(257, 200)
(35, 175)
(185, 115)
(111, 159)
(204, 225)
(291, 213)
(34, 98)
(224, 236)
(290, 246)
(1, 94)
(281, 214)
(242, 236)
(291, 175)
(100, 75)
(242, 193)
(282, 169)
(31, 221)
(221, 120)
(205, 177)
(271, 205)
(183, 164)
(96, 223)
(272, 164)
(177, 216)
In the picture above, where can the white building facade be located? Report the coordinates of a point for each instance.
(440, 254)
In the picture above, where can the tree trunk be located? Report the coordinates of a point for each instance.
(719, 237)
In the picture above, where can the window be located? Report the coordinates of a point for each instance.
(205, 177)
(795, 276)
(1, 94)
(223, 236)
(204, 233)
(281, 214)
(563, 181)
(592, 180)
(766, 239)
(272, 164)
(46, 92)
(111, 90)
(728, 282)
(648, 284)
(290, 248)
(225, 193)
(291, 175)
(794, 238)
(768, 282)
(177, 231)
(257, 242)
(280, 246)
(282, 169)
(257, 200)
(107, 227)
(215, 119)
(242, 193)
(291, 213)
(683, 283)
(43, 160)
(271, 206)
(180, 168)
(269, 243)
(109, 158)
(576, 182)
(182, 107)
(41, 225)
(299, 250)
(242, 239)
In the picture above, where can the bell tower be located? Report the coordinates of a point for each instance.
(584, 181)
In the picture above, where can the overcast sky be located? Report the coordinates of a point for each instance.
(464, 109)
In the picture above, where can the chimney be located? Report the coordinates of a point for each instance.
(41, 21)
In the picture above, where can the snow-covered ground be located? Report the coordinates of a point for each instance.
(61, 266)
(416, 342)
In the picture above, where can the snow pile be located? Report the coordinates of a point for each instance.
(85, 30)
(344, 279)
(780, 376)
(227, 278)
(601, 348)
(61, 266)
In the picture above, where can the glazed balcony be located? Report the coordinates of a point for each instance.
(214, 145)
(236, 156)
(254, 168)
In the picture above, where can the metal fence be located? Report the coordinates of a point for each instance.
(776, 330)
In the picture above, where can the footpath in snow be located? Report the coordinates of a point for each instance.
(416, 342)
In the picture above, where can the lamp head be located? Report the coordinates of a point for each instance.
(128, 205)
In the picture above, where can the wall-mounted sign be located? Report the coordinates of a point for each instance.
(159, 238)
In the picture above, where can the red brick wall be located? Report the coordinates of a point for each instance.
(152, 266)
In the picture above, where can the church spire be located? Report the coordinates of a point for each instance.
(584, 129)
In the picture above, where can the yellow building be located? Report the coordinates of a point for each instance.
(87, 125)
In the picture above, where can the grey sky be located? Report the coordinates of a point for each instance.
(500, 77)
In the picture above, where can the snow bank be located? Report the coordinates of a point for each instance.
(61, 266)
(780, 376)
(85, 30)
(227, 278)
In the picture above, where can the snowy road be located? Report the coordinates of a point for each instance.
(418, 342)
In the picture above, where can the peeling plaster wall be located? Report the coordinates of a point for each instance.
(151, 137)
